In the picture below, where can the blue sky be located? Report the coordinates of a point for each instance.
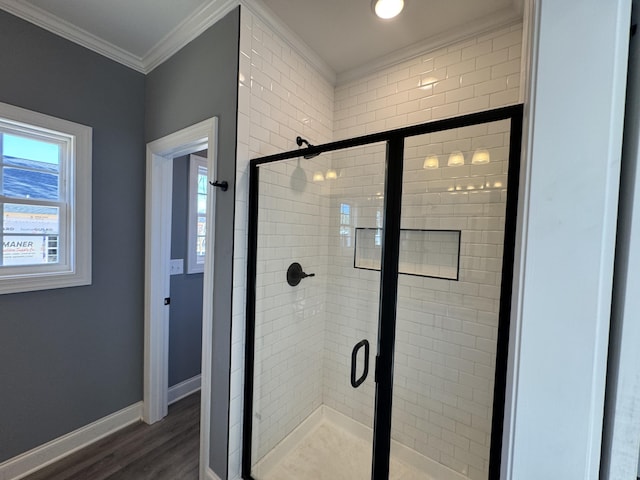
(29, 149)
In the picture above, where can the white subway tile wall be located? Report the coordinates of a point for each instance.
(446, 334)
(352, 293)
(446, 331)
(280, 96)
(293, 223)
(470, 76)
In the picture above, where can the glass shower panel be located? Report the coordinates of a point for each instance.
(453, 217)
(316, 335)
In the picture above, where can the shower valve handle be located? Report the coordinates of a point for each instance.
(295, 274)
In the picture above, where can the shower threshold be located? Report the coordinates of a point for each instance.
(331, 446)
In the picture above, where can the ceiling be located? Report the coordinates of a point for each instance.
(344, 35)
(135, 26)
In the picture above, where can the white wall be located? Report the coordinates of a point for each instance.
(562, 298)
(280, 97)
(621, 440)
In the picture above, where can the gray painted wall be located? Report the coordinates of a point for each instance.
(185, 309)
(199, 82)
(71, 356)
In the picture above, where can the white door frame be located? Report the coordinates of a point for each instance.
(160, 155)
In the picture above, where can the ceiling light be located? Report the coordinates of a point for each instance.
(456, 159)
(331, 174)
(431, 162)
(318, 177)
(480, 157)
(387, 8)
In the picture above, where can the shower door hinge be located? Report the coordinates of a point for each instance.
(167, 301)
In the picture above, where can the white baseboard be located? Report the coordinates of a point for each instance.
(210, 474)
(28, 462)
(183, 389)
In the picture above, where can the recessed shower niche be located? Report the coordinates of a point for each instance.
(413, 264)
(424, 253)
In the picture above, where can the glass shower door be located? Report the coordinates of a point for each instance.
(449, 291)
(316, 316)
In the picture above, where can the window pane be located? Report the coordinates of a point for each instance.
(22, 183)
(17, 148)
(202, 226)
(202, 180)
(30, 219)
(200, 248)
(202, 204)
(29, 249)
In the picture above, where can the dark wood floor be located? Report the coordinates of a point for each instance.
(167, 450)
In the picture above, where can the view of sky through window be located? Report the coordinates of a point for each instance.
(30, 171)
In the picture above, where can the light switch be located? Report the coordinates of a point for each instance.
(177, 266)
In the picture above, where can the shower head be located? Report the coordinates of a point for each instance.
(300, 141)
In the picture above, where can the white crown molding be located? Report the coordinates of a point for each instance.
(501, 19)
(186, 31)
(266, 15)
(67, 30)
(203, 18)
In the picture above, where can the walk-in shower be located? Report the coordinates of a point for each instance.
(379, 289)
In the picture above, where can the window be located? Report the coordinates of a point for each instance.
(378, 236)
(197, 213)
(345, 224)
(45, 201)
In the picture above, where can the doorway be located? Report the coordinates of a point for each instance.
(160, 155)
(188, 249)
(378, 302)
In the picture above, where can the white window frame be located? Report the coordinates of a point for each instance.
(74, 266)
(195, 163)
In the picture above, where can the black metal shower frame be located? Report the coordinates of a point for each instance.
(394, 167)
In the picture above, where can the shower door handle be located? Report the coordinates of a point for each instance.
(355, 383)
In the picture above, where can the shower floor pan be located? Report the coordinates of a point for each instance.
(331, 446)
